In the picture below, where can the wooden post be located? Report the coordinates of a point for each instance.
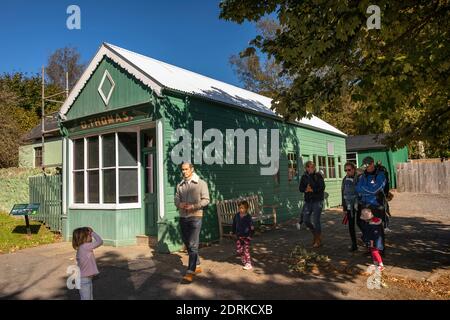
(27, 222)
(43, 118)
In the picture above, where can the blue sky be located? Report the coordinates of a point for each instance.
(185, 33)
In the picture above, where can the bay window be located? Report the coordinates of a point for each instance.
(106, 169)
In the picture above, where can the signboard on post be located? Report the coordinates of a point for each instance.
(28, 209)
(25, 210)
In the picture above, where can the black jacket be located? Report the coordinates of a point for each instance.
(355, 182)
(242, 227)
(316, 182)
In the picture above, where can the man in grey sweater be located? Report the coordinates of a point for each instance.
(191, 197)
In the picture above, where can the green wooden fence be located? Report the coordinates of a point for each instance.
(46, 190)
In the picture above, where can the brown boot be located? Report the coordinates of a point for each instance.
(314, 238)
(318, 240)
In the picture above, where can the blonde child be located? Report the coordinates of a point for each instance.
(82, 242)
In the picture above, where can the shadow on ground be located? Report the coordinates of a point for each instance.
(415, 243)
(23, 229)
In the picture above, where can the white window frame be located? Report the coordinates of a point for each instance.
(294, 177)
(336, 176)
(34, 157)
(100, 90)
(341, 164)
(101, 205)
(356, 157)
(325, 168)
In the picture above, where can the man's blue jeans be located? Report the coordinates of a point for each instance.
(313, 209)
(190, 234)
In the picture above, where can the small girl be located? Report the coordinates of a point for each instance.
(242, 228)
(373, 236)
(82, 242)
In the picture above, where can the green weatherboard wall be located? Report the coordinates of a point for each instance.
(231, 181)
(120, 227)
(52, 154)
(388, 158)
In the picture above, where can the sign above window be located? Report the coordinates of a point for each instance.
(106, 87)
(112, 118)
(330, 148)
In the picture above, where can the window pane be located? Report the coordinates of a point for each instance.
(78, 154)
(38, 157)
(323, 166)
(127, 148)
(331, 167)
(93, 187)
(109, 150)
(128, 186)
(292, 166)
(78, 185)
(92, 152)
(109, 186)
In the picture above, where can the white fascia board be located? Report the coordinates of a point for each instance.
(104, 51)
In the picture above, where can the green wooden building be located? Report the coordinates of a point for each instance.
(118, 127)
(359, 147)
(31, 152)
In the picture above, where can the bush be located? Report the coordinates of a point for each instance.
(14, 186)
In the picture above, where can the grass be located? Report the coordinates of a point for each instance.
(13, 234)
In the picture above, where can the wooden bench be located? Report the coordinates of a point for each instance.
(227, 209)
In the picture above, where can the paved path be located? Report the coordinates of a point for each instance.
(418, 249)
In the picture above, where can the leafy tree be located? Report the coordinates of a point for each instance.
(255, 71)
(9, 128)
(61, 61)
(397, 77)
(20, 100)
(20, 107)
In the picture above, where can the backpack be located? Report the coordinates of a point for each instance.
(381, 168)
(387, 195)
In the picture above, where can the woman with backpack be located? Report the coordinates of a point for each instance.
(313, 186)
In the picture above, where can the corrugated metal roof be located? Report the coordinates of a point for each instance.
(51, 124)
(167, 76)
(365, 142)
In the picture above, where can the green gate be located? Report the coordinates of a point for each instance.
(46, 190)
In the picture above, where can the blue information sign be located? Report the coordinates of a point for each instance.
(27, 209)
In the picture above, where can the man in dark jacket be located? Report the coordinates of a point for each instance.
(313, 186)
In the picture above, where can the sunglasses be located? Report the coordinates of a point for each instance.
(348, 170)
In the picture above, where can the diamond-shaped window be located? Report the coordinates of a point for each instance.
(106, 87)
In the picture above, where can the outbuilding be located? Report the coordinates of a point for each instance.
(34, 154)
(131, 119)
(371, 145)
